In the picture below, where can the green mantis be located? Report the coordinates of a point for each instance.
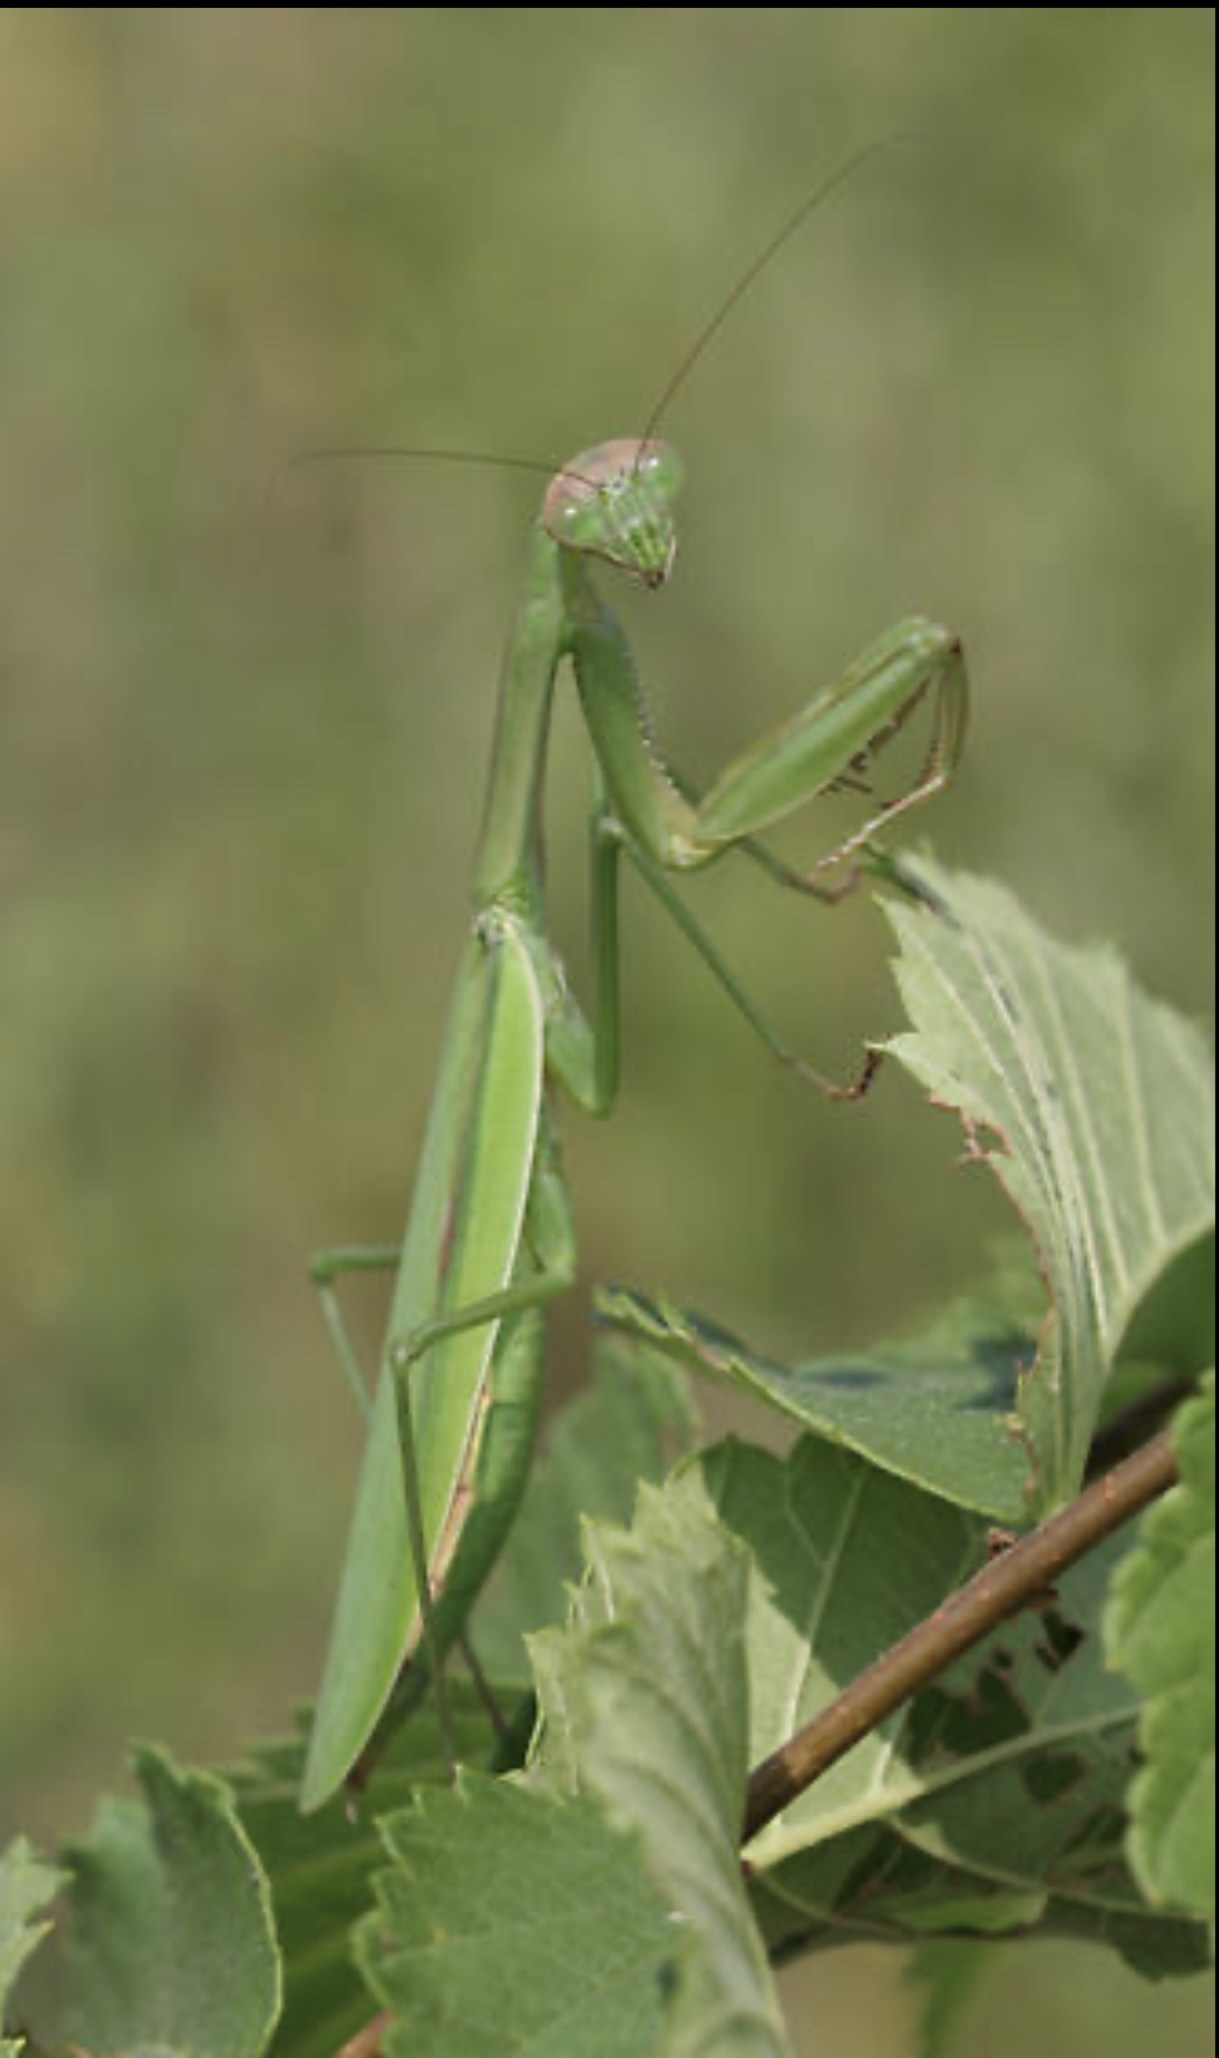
(490, 1239)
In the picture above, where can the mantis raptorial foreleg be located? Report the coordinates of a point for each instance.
(850, 722)
(833, 739)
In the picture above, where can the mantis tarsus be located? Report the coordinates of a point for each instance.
(490, 1239)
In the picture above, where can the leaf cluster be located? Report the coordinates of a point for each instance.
(670, 1619)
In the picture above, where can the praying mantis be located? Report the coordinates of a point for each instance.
(490, 1238)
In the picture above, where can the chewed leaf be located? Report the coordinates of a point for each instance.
(1160, 1628)
(1092, 1103)
(991, 1802)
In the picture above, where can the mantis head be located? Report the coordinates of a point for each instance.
(615, 502)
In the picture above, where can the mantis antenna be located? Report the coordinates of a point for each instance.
(677, 378)
(753, 270)
(546, 466)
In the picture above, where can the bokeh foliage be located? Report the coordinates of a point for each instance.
(246, 709)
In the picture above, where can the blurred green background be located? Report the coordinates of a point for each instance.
(246, 715)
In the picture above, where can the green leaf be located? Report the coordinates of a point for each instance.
(932, 1407)
(172, 1950)
(515, 1924)
(26, 1885)
(320, 1867)
(1160, 1627)
(630, 1423)
(992, 1801)
(1092, 1104)
(646, 1705)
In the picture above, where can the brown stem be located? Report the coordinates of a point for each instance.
(1018, 1578)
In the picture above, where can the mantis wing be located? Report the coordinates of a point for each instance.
(461, 1247)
